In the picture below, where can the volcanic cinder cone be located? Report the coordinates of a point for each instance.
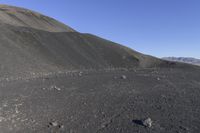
(55, 79)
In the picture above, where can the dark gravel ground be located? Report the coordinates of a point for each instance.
(103, 102)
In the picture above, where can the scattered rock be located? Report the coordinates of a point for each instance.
(61, 126)
(7, 79)
(56, 88)
(52, 88)
(55, 123)
(147, 122)
(80, 74)
(123, 77)
(2, 119)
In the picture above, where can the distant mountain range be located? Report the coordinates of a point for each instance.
(188, 60)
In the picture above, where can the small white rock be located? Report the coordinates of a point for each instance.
(80, 73)
(54, 123)
(147, 122)
(123, 77)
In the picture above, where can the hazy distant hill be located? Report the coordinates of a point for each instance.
(189, 60)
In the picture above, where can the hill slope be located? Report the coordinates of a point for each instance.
(31, 44)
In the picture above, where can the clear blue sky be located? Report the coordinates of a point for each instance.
(155, 27)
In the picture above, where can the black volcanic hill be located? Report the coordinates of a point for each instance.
(54, 79)
(33, 43)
